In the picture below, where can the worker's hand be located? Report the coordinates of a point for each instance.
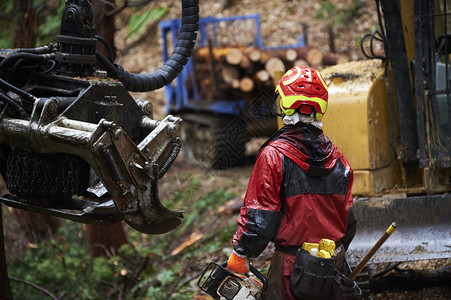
(238, 263)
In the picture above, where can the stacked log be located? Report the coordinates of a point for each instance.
(236, 72)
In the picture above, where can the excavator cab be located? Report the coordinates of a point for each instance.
(73, 141)
(432, 84)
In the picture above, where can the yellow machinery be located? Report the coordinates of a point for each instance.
(391, 118)
(357, 121)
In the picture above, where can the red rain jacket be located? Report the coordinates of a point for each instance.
(299, 191)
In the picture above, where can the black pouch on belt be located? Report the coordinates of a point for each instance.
(312, 277)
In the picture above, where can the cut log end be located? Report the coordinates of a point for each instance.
(229, 73)
(234, 56)
(300, 62)
(246, 84)
(255, 55)
(291, 55)
(262, 75)
(314, 57)
(273, 65)
(235, 83)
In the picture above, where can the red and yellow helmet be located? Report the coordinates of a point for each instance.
(303, 88)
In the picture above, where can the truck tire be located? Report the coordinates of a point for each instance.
(216, 142)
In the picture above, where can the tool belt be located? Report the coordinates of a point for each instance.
(317, 278)
(312, 277)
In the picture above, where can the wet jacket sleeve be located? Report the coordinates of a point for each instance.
(350, 229)
(261, 214)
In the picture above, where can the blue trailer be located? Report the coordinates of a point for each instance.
(216, 127)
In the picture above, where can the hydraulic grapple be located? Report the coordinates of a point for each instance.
(73, 141)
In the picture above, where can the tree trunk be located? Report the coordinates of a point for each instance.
(105, 24)
(35, 226)
(255, 55)
(262, 75)
(5, 288)
(24, 33)
(105, 239)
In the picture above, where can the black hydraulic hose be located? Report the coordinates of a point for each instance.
(15, 105)
(107, 47)
(39, 50)
(25, 55)
(12, 88)
(106, 64)
(372, 37)
(179, 57)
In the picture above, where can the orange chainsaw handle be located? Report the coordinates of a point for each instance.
(257, 274)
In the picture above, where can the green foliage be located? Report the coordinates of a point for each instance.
(139, 21)
(217, 240)
(63, 265)
(195, 210)
(329, 11)
(47, 21)
(161, 281)
(6, 38)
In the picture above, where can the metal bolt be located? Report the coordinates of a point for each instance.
(51, 107)
(147, 108)
(70, 15)
(101, 73)
(171, 129)
(172, 118)
(100, 148)
(109, 99)
(118, 133)
(124, 189)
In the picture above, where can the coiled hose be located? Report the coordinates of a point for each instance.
(179, 57)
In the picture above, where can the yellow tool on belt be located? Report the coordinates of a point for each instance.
(325, 248)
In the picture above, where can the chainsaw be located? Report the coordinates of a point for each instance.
(220, 283)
